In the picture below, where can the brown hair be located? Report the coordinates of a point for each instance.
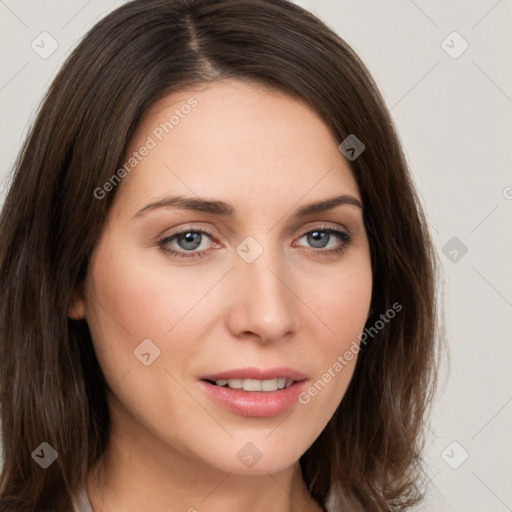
(51, 386)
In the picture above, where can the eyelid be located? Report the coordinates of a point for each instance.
(322, 226)
(325, 226)
(185, 229)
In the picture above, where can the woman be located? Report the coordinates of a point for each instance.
(218, 287)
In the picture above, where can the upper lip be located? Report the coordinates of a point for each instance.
(257, 374)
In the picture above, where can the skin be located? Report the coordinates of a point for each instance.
(171, 446)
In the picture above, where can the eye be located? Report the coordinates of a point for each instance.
(182, 244)
(192, 243)
(326, 240)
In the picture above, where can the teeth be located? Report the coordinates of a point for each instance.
(256, 385)
(235, 383)
(252, 385)
(269, 385)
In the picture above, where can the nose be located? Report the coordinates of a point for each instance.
(262, 302)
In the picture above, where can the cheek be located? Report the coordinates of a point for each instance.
(342, 305)
(342, 301)
(143, 294)
(131, 300)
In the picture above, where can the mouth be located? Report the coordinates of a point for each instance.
(267, 385)
(255, 392)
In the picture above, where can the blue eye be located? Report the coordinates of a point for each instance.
(322, 236)
(187, 240)
(185, 244)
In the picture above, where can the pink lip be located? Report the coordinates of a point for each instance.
(261, 404)
(257, 374)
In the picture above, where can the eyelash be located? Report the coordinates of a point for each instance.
(343, 236)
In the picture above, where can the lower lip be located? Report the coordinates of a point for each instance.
(259, 404)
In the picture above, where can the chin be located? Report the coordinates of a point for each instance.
(252, 457)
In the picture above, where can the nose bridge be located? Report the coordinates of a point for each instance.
(263, 303)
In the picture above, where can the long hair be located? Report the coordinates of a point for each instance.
(51, 386)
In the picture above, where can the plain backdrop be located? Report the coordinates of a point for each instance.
(444, 69)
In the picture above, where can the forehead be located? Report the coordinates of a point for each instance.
(238, 141)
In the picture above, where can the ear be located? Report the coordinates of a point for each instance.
(77, 309)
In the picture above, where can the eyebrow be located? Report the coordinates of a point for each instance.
(223, 209)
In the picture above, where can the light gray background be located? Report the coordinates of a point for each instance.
(454, 116)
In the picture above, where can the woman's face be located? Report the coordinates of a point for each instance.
(232, 284)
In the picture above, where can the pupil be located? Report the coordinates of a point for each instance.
(318, 239)
(191, 240)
